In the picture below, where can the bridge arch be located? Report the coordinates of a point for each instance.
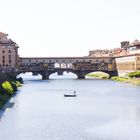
(48, 75)
(97, 74)
(81, 74)
(64, 75)
(30, 75)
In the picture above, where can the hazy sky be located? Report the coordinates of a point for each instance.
(69, 27)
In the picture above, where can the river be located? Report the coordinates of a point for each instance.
(102, 110)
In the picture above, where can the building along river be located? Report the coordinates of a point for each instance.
(102, 110)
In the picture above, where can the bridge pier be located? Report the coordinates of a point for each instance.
(45, 75)
(34, 73)
(81, 75)
(113, 73)
(60, 73)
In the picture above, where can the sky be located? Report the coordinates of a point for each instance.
(48, 28)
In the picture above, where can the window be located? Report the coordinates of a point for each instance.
(9, 47)
(9, 51)
(3, 61)
(9, 60)
(3, 51)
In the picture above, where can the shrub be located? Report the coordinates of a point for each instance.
(120, 79)
(14, 86)
(18, 84)
(134, 74)
(20, 80)
(7, 86)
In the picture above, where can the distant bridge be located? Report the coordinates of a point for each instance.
(77, 65)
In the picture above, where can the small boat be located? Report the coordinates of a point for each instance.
(70, 95)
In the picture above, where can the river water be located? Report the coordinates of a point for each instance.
(102, 110)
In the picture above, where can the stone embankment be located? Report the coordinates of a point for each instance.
(8, 86)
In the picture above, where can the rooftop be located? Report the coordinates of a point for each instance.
(3, 34)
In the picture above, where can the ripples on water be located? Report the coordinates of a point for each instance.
(102, 110)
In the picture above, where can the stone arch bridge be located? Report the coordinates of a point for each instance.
(77, 65)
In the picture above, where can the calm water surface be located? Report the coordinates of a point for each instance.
(102, 110)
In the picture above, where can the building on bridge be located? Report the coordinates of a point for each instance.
(8, 53)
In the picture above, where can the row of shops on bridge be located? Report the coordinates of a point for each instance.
(74, 66)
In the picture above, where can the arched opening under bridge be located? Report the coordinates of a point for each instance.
(29, 76)
(65, 75)
(97, 74)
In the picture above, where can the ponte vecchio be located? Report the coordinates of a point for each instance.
(77, 65)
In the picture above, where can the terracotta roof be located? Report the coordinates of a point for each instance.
(3, 34)
(136, 42)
